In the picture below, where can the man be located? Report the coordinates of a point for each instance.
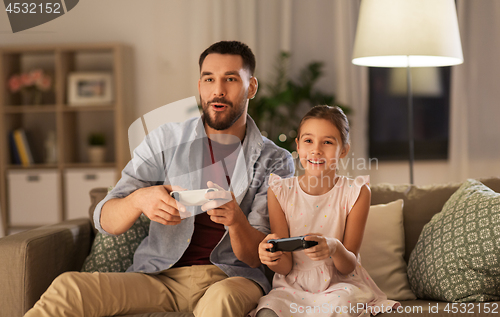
(207, 263)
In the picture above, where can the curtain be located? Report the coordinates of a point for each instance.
(475, 111)
(352, 85)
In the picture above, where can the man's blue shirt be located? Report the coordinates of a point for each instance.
(172, 155)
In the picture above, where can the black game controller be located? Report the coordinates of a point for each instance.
(291, 244)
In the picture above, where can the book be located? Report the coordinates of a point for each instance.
(13, 150)
(27, 148)
(23, 147)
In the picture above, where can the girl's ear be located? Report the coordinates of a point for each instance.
(345, 150)
(297, 143)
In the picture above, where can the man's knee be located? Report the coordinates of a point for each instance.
(234, 289)
(62, 296)
(233, 296)
(67, 279)
(73, 283)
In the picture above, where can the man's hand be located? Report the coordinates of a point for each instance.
(223, 208)
(157, 204)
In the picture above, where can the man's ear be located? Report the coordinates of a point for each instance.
(199, 83)
(345, 150)
(253, 87)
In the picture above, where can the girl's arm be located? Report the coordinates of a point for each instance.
(344, 255)
(279, 262)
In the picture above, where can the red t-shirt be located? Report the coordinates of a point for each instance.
(207, 233)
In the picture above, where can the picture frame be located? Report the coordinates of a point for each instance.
(91, 88)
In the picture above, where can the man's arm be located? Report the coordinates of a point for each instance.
(119, 214)
(245, 238)
(245, 241)
(140, 190)
(225, 210)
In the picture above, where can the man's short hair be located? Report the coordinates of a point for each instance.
(232, 48)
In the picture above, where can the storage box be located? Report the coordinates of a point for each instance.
(34, 197)
(78, 183)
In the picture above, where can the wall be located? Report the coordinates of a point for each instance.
(168, 36)
(132, 22)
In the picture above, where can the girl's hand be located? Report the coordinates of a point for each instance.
(325, 248)
(269, 258)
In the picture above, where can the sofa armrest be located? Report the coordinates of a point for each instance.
(31, 260)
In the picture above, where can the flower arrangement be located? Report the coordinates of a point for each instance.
(32, 83)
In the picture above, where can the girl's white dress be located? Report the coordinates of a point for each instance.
(316, 288)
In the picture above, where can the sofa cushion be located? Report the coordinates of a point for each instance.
(420, 204)
(457, 256)
(383, 248)
(116, 253)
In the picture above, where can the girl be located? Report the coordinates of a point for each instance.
(327, 279)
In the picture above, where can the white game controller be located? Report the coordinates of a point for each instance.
(192, 197)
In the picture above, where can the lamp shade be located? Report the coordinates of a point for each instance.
(401, 33)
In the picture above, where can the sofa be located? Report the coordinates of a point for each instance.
(31, 260)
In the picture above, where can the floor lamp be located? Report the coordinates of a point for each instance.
(407, 33)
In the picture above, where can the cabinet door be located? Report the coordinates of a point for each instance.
(78, 184)
(34, 197)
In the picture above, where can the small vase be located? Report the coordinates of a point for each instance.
(31, 97)
(97, 154)
(51, 148)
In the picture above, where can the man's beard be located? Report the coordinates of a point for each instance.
(222, 121)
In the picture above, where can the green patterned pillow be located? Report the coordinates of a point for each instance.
(457, 256)
(115, 254)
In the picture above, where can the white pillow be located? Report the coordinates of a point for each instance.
(383, 248)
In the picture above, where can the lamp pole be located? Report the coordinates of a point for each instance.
(410, 120)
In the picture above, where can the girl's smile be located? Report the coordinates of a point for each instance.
(317, 162)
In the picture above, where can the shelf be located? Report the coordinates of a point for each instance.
(32, 167)
(70, 124)
(90, 165)
(41, 48)
(66, 165)
(67, 108)
(30, 109)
